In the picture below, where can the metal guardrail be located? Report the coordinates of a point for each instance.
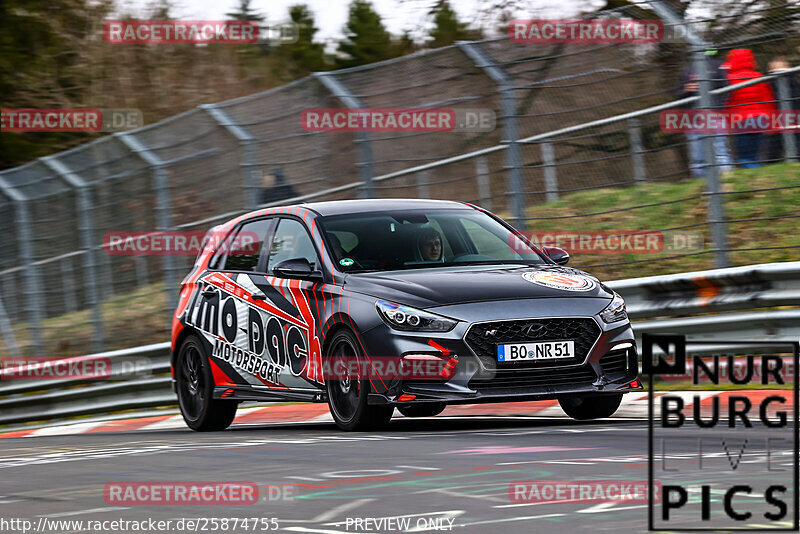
(658, 302)
(139, 376)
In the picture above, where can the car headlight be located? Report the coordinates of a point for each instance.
(406, 318)
(615, 311)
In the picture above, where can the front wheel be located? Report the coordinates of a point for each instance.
(347, 396)
(594, 407)
(195, 386)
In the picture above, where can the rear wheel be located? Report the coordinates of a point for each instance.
(594, 407)
(195, 385)
(422, 410)
(347, 396)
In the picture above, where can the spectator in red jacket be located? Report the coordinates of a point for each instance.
(745, 106)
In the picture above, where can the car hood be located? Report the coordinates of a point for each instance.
(444, 286)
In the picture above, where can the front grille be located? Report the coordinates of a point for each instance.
(615, 362)
(507, 380)
(525, 378)
(483, 338)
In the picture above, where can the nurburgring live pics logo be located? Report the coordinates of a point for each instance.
(754, 422)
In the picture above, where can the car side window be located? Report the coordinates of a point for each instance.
(291, 241)
(487, 243)
(243, 249)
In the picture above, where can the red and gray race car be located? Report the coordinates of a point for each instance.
(372, 305)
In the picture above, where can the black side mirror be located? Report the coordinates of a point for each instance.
(558, 255)
(296, 268)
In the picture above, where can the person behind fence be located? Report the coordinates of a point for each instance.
(275, 188)
(746, 105)
(690, 86)
(775, 149)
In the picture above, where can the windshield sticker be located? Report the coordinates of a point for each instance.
(346, 262)
(568, 282)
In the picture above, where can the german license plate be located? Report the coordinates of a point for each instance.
(540, 350)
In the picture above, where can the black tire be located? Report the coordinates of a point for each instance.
(347, 399)
(195, 385)
(422, 410)
(594, 407)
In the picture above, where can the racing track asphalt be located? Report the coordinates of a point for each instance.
(456, 468)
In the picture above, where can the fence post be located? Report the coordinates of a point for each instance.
(163, 211)
(789, 137)
(484, 191)
(505, 85)
(8, 288)
(31, 271)
(423, 185)
(86, 229)
(343, 94)
(70, 302)
(700, 64)
(715, 209)
(637, 151)
(246, 140)
(8, 332)
(550, 179)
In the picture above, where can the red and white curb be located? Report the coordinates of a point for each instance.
(634, 406)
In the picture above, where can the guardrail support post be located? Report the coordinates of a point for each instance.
(789, 137)
(508, 99)
(250, 174)
(637, 151)
(163, 212)
(86, 229)
(343, 94)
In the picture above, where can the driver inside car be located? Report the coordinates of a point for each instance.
(430, 245)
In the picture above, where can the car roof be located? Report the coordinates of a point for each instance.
(343, 207)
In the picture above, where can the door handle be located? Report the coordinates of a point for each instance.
(258, 295)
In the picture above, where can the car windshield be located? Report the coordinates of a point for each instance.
(413, 239)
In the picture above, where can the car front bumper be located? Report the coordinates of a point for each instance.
(610, 366)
